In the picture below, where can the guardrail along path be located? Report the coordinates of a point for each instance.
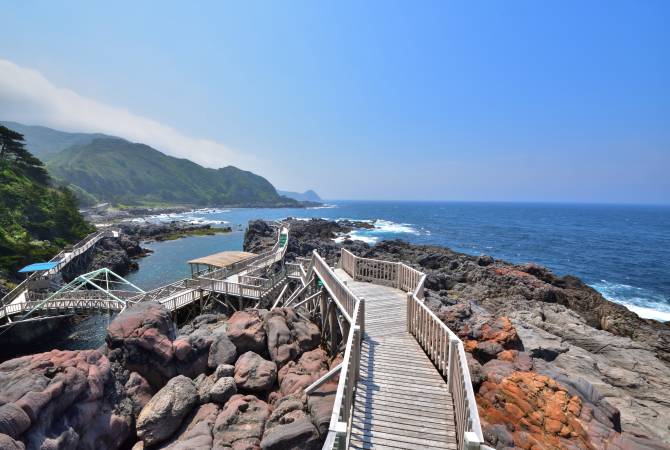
(402, 401)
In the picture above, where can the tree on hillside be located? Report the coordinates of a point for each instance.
(13, 151)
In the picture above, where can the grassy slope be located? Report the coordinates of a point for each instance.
(118, 171)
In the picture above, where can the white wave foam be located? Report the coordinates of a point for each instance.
(356, 237)
(324, 206)
(387, 226)
(648, 313)
(645, 304)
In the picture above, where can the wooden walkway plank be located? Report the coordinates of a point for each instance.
(402, 401)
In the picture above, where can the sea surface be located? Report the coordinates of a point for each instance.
(623, 251)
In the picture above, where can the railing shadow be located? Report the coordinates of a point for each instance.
(365, 411)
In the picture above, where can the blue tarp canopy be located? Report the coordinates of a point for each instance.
(40, 266)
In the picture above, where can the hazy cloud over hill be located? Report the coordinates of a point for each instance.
(27, 96)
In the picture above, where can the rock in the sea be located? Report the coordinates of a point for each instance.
(241, 423)
(164, 413)
(289, 428)
(254, 373)
(140, 339)
(222, 350)
(222, 390)
(245, 329)
(62, 399)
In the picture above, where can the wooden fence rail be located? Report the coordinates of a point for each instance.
(443, 346)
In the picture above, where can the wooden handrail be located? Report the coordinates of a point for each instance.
(443, 346)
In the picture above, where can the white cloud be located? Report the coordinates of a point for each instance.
(26, 96)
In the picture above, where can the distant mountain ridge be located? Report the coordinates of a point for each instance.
(101, 168)
(307, 196)
(45, 142)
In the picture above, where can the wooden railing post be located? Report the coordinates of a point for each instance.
(453, 363)
(361, 316)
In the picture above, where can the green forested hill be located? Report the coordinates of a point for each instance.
(37, 218)
(118, 171)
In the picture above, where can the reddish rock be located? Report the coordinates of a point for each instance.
(139, 392)
(537, 412)
(196, 431)
(281, 345)
(245, 329)
(39, 393)
(254, 373)
(140, 338)
(289, 428)
(295, 377)
(241, 423)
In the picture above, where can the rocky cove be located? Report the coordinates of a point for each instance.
(554, 365)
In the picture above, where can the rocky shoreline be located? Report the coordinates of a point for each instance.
(555, 365)
(220, 382)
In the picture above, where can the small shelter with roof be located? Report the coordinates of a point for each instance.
(218, 261)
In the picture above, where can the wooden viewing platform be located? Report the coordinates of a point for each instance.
(402, 401)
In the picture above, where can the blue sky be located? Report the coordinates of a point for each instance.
(534, 101)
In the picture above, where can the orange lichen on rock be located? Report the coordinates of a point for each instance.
(537, 411)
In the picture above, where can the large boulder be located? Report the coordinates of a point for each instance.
(296, 376)
(138, 391)
(196, 431)
(289, 335)
(62, 398)
(222, 390)
(164, 413)
(191, 352)
(245, 329)
(241, 423)
(222, 350)
(289, 428)
(140, 339)
(254, 373)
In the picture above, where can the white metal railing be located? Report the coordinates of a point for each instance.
(443, 346)
(79, 248)
(337, 289)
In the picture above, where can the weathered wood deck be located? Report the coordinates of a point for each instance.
(402, 402)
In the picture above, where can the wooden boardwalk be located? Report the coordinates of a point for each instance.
(402, 401)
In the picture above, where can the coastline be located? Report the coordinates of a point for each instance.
(474, 239)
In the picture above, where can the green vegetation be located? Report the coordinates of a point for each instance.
(120, 172)
(37, 218)
(195, 232)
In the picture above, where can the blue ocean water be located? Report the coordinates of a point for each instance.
(621, 250)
